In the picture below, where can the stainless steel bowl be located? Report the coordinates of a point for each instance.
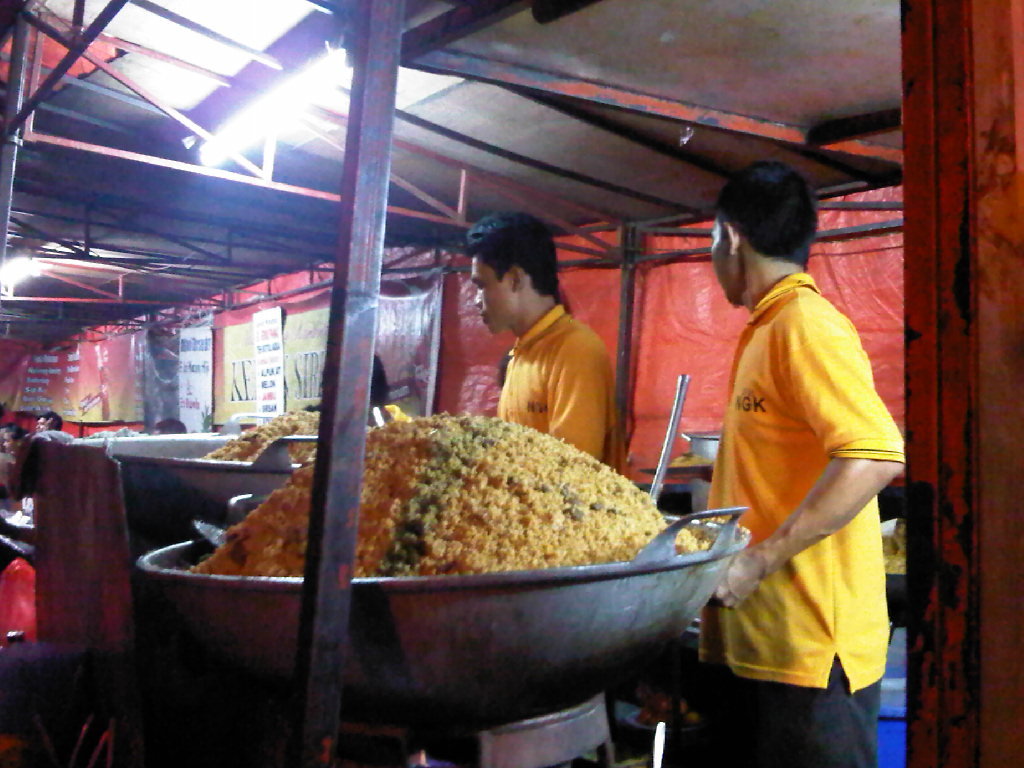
(167, 484)
(703, 443)
(481, 649)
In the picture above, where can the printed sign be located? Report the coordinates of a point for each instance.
(195, 379)
(268, 346)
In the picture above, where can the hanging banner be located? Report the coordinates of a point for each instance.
(109, 386)
(195, 378)
(408, 340)
(305, 344)
(268, 346)
(408, 329)
(236, 385)
(50, 380)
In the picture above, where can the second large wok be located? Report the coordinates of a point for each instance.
(480, 649)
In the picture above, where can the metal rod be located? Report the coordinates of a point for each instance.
(624, 348)
(682, 384)
(12, 140)
(540, 165)
(36, 73)
(166, 58)
(463, 193)
(583, 210)
(474, 67)
(334, 509)
(151, 98)
(218, 173)
(75, 50)
(544, 212)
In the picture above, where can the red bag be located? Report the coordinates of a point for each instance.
(18, 600)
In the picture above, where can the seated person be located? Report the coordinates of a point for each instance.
(169, 427)
(49, 420)
(381, 411)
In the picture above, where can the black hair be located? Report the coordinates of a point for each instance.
(379, 388)
(773, 207)
(503, 367)
(17, 432)
(56, 422)
(169, 427)
(505, 240)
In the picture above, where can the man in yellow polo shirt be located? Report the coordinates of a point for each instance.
(559, 379)
(807, 445)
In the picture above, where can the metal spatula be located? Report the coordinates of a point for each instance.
(682, 384)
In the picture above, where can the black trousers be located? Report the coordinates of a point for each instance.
(774, 725)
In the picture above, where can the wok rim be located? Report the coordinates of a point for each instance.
(457, 582)
(220, 465)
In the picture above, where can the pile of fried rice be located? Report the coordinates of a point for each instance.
(459, 495)
(251, 443)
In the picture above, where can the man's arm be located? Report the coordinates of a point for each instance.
(842, 491)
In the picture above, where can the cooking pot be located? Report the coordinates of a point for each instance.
(167, 484)
(473, 650)
(703, 443)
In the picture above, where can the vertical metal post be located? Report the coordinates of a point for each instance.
(463, 193)
(375, 31)
(628, 241)
(9, 150)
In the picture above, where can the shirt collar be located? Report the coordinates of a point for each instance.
(549, 318)
(786, 285)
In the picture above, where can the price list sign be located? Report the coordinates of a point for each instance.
(50, 382)
(268, 338)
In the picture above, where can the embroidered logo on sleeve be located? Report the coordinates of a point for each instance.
(749, 401)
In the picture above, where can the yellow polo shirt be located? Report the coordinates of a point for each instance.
(560, 381)
(801, 393)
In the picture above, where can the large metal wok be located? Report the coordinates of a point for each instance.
(167, 484)
(480, 649)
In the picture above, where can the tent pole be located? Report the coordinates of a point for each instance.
(9, 151)
(374, 49)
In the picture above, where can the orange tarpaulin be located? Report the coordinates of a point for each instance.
(682, 324)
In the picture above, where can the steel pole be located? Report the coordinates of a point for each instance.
(375, 43)
(9, 151)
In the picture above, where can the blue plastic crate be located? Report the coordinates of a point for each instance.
(892, 737)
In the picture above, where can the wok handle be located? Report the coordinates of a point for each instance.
(275, 456)
(727, 532)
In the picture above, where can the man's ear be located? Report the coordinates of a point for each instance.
(735, 239)
(517, 277)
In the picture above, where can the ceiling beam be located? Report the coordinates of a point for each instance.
(588, 211)
(487, 70)
(610, 126)
(75, 50)
(540, 165)
(216, 173)
(455, 24)
(842, 129)
(174, 61)
(209, 34)
(55, 34)
(110, 93)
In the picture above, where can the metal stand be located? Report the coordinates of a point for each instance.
(546, 740)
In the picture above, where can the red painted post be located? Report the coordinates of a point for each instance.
(964, 234)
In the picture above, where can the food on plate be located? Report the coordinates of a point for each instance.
(251, 443)
(894, 548)
(459, 495)
(656, 707)
(690, 460)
